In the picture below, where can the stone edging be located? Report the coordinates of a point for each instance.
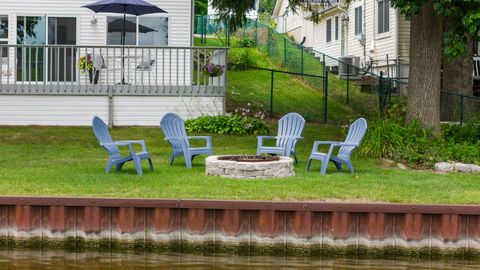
(249, 170)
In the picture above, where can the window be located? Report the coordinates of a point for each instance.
(358, 20)
(383, 16)
(30, 62)
(147, 31)
(329, 30)
(4, 35)
(336, 28)
(115, 26)
(152, 31)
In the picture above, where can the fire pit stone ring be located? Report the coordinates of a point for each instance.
(248, 167)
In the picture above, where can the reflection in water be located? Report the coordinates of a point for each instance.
(125, 261)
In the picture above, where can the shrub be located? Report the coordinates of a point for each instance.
(239, 58)
(416, 146)
(227, 124)
(246, 43)
(468, 133)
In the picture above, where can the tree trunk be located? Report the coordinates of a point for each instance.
(425, 62)
(457, 78)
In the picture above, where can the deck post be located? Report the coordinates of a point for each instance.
(110, 105)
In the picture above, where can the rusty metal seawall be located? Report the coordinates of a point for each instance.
(248, 226)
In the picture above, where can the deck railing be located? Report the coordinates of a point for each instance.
(104, 70)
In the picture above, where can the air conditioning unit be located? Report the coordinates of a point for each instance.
(348, 65)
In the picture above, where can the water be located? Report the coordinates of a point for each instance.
(128, 261)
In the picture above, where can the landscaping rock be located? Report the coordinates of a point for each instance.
(387, 162)
(444, 167)
(475, 168)
(402, 166)
(462, 167)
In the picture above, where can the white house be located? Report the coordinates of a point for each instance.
(43, 81)
(369, 29)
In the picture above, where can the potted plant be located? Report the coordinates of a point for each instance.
(85, 63)
(212, 70)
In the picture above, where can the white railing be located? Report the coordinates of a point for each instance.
(116, 70)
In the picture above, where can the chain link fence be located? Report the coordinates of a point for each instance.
(306, 76)
(459, 108)
(273, 93)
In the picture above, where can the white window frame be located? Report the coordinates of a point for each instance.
(4, 41)
(137, 21)
(358, 19)
(385, 15)
(328, 30)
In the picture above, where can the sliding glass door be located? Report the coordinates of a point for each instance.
(62, 31)
(37, 64)
(31, 30)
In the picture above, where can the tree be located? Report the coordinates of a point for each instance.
(201, 7)
(266, 6)
(423, 100)
(427, 38)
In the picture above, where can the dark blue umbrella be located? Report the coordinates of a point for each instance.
(133, 7)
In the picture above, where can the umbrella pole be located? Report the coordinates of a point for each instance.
(123, 42)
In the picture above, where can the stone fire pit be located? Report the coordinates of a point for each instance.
(249, 167)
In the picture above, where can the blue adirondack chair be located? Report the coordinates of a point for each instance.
(354, 137)
(290, 129)
(103, 135)
(174, 129)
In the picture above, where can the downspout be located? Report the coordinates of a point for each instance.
(396, 40)
(192, 21)
(365, 30)
(344, 34)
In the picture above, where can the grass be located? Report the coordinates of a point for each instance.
(67, 161)
(292, 92)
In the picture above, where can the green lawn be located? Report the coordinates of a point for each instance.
(67, 161)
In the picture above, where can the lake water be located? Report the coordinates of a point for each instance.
(125, 261)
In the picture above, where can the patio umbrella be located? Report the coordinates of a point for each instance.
(118, 25)
(132, 7)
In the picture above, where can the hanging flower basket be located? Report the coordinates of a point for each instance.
(85, 63)
(212, 70)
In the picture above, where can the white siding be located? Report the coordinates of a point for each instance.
(48, 110)
(290, 22)
(178, 11)
(332, 48)
(377, 46)
(78, 111)
(147, 111)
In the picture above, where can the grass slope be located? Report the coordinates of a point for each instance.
(67, 161)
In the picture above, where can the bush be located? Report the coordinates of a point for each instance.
(416, 146)
(246, 43)
(239, 58)
(468, 133)
(227, 124)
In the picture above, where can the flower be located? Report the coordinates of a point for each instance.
(212, 70)
(85, 63)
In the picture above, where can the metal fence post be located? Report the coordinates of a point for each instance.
(268, 41)
(271, 93)
(380, 90)
(348, 84)
(285, 51)
(461, 109)
(256, 33)
(325, 97)
(324, 66)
